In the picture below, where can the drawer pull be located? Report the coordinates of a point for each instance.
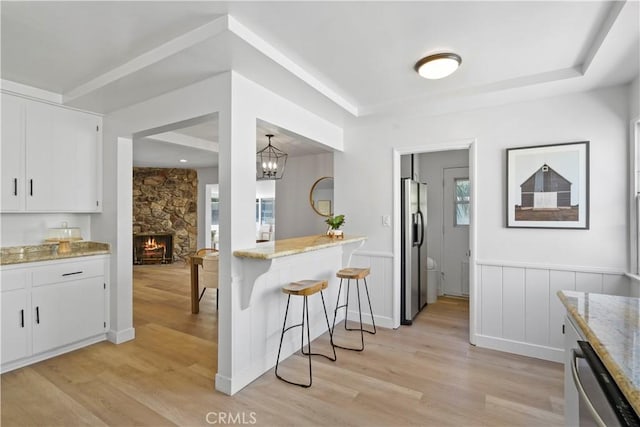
(15, 186)
(22, 318)
(31, 187)
(38, 315)
(71, 274)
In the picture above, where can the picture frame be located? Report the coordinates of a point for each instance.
(324, 207)
(548, 186)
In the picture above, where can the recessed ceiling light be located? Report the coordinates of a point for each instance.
(183, 160)
(438, 66)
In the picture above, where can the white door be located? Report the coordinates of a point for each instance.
(61, 159)
(455, 239)
(548, 200)
(14, 325)
(12, 154)
(63, 313)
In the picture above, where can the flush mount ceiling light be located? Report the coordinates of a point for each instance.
(438, 65)
(270, 162)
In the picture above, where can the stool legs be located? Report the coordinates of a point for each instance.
(346, 307)
(305, 322)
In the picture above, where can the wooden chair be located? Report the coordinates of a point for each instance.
(208, 276)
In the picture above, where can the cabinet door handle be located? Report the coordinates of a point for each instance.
(22, 318)
(71, 274)
(38, 315)
(15, 186)
(31, 187)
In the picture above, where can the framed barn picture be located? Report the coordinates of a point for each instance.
(548, 186)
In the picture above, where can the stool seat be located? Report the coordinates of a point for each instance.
(305, 287)
(353, 273)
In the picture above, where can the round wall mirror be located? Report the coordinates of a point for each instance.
(321, 196)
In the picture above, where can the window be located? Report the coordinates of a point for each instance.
(461, 202)
(266, 206)
(265, 211)
(215, 214)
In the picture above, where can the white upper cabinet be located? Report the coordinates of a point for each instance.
(12, 154)
(61, 152)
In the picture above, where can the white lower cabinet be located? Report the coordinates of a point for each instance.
(15, 337)
(67, 312)
(52, 307)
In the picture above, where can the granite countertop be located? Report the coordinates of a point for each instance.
(611, 324)
(296, 245)
(49, 252)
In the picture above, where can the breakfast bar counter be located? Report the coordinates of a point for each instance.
(611, 324)
(296, 245)
(260, 275)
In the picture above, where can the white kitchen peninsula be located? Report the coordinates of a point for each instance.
(264, 270)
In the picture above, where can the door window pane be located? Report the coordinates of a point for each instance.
(462, 189)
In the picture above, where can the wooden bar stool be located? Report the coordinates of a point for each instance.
(304, 288)
(357, 274)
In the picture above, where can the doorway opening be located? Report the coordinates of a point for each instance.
(172, 165)
(448, 259)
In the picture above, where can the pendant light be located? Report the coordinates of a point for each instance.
(270, 162)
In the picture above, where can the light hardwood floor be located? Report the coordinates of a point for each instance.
(425, 374)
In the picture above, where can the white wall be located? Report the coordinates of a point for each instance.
(599, 116)
(241, 333)
(432, 167)
(205, 176)
(237, 123)
(19, 229)
(294, 215)
(634, 99)
(114, 225)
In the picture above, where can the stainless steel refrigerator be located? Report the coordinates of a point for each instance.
(414, 224)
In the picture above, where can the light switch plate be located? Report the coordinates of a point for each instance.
(386, 220)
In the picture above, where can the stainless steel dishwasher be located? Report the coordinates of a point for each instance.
(601, 403)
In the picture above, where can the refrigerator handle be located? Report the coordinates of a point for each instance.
(421, 228)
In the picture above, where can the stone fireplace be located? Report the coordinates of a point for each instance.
(154, 248)
(165, 202)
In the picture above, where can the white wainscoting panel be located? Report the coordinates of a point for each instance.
(537, 306)
(514, 311)
(380, 282)
(519, 308)
(491, 304)
(588, 282)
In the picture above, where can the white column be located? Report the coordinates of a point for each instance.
(236, 158)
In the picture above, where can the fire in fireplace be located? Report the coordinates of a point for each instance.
(153, 248)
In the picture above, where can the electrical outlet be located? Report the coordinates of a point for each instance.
(386, 220)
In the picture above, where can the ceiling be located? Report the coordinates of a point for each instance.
(197, 144)
(342, 60)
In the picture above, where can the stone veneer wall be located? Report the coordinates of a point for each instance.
(165, 201)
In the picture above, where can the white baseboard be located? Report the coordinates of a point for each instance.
(223, 384)
(118, 337)
(10, 366)
(524, 349)
(382, 321)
